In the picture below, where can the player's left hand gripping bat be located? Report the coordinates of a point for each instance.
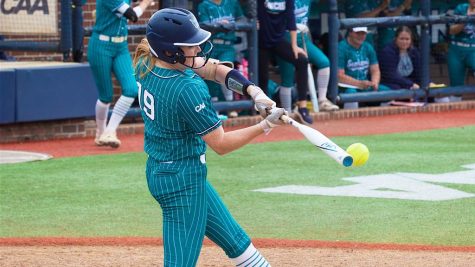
(322, 142)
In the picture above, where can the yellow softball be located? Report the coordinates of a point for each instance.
(359, 152)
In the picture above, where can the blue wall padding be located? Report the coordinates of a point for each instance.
(59, 92)
(7, 95)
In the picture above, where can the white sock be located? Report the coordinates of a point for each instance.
(455, 98)
(285, 94)
(118, 113)
(351, 105)
(250, 257)
(102, 109)
(228, 94)
(323, 78)
(444, 99)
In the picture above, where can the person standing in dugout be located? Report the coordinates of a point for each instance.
(276, 17)
(180, 121)
(108, 52)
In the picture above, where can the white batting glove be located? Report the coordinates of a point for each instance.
(262, 103)
(273, 119)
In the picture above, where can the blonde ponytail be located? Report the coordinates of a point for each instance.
(143, 57)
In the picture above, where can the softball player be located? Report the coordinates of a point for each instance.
(221, 12)
(108, 52)
(462, 45)
(315, 56)
(179, 122)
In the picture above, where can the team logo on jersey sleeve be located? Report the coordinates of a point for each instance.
(200, 107)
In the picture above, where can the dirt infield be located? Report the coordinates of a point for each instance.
(343, 127)
(149, 252)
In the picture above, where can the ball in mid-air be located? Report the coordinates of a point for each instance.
(359, 152)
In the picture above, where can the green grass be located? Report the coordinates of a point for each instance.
(108, 195)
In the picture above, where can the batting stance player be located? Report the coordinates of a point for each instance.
(179, 122)
(108, 52)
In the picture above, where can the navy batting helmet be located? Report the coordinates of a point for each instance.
(170, 28)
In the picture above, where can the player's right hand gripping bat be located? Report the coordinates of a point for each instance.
(322, 142)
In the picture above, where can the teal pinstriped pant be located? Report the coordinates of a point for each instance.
(459, 59)
(191, 209)
(105, 57)
(315, 56)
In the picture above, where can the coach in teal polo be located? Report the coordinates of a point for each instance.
(358, 68)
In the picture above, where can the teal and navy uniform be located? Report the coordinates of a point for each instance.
(177, 112)
(461, 50)
(315, 55)
(354, 8)
(108, 51)
(356, 63)
(223, 42)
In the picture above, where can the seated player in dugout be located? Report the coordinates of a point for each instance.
(180, 121)
(358, 68)
(221, 12)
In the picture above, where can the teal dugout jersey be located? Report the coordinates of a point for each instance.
(467, 35)
(386, 35)
(356, 62)
(108, 22)
(223, 42)
(354, 8)
(227, 10)
(461, 50)
(177, 111)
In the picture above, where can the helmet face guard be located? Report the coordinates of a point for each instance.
(171, 28)
(205, 53)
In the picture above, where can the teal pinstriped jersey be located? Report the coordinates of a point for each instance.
(467, 35)
(229, 10)
(356, 62)
(177, 111)
(301, 11)
(354, 8)
(109, 22)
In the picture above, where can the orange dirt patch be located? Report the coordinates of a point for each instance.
(344, 127)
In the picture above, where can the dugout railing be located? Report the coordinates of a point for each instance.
(424, 21)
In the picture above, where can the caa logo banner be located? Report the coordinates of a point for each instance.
(28, 16)
(411, 186)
